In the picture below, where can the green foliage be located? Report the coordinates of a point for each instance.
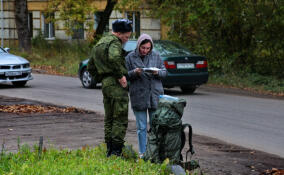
(81, 161)
(74, 13)
(128, 5)
(129, 153)
(252, 82)
(234, 34)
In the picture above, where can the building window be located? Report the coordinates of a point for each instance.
(135, 18)
(48, 27)
(30, 24)
(78, 31)
(98, 16)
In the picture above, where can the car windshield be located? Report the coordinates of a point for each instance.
(170, 48)
(129, 46)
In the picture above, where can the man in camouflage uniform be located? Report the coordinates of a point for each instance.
(108, 58)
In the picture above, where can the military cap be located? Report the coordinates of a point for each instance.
(122, 25)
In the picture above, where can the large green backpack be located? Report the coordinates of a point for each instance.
(166, 137)
(96, 64)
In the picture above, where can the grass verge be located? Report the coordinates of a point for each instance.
(251, 82)
(83, 161)
(59, 57)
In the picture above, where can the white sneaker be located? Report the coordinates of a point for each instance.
(141, 156)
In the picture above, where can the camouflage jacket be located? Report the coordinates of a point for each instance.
(108, 57)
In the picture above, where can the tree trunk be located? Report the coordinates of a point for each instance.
(21, 17)
(105, 18)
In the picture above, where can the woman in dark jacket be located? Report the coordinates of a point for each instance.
(145, 87)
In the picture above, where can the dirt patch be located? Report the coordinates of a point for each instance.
(76, 128)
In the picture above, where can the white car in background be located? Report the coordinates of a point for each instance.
(14, 69)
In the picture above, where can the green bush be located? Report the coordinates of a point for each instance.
(234, 35)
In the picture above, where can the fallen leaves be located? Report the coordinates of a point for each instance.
(29, 109)
(52, 70)
(273, 171)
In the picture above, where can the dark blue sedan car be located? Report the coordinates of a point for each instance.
(185, 70)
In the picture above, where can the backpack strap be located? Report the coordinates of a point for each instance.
(191, 150)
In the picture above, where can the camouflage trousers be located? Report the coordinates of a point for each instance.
(116, 113)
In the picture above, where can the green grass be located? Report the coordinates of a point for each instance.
(81, 161)
(252, 82)
(56, 57)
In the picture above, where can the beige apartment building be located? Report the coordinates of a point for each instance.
(141, 22)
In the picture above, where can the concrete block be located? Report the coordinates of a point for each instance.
(60, 34)
(36, 23)
(36, 33)
(9, 23)
(8, 34)
(115, 14)
(156, 35)
(8, 14)
(59, 25)
(150, 23)
(36, 14)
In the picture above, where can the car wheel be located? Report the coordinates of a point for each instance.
(87, 80)
(19, 83)
(188, 89)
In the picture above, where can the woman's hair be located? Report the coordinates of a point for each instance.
(146, 41)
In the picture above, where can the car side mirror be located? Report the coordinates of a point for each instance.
(7, 49)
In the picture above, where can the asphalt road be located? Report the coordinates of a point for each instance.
(252, 122)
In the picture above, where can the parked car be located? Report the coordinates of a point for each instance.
(185, 69)
(14, 69)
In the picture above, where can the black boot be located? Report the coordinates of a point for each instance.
(117, 149)
(109, 148)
